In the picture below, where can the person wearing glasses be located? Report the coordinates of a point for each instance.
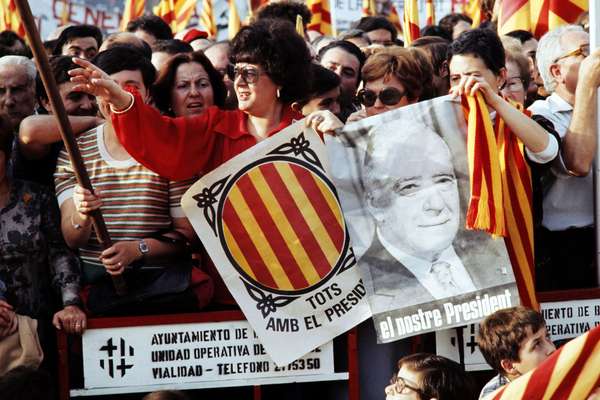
(392, 78)
(565, 241)
(423, 376)
(188, 84)
(271, 68)
(517, 71)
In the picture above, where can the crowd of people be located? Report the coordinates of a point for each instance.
(130, 93)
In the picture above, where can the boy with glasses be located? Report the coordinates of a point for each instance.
(423, 376)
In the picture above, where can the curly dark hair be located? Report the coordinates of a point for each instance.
(481, 43)
(410, 66)
(162, 88)
(275, 45)
(286, 10)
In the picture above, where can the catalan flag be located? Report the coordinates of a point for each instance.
(475, 12)
(10, 19)
(235, 24)
(283, 226)
(429, 13)
(207, 18)
(538, 16)
(132, 9)
(569, 373)
(411, 21)
(369, 8)
(321, 16)
(166, 10)
(394, 18)
(501, 191)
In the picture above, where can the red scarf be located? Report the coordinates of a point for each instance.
(501, 192)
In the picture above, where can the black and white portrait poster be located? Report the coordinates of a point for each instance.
(403, 181)
(271, 222)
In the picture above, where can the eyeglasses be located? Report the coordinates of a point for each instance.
(583, 50)
(248, 74)
(389, 96)
(400, 386)
(514, 84)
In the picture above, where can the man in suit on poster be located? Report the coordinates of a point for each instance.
(412, 193)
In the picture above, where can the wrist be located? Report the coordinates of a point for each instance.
(123, 104)
(142, 249)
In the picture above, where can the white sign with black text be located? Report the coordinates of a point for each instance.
(564, 320)
(161, 354)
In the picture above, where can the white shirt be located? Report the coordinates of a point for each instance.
(569, 203)
(422, 270)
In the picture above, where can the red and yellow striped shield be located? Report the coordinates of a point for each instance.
(281, 225)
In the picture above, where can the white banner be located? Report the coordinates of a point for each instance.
(272, 224)
(161, 354)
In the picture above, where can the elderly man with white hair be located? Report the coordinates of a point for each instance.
(17, 89)
(565, 242)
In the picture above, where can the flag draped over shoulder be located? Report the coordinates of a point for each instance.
(411, 21)
(321, 16)
(176, 13)
(501, 192)
(132, 9)
(570, 373)
(538, 16)
(9, 18)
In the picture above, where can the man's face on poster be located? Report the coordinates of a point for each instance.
(416, 204)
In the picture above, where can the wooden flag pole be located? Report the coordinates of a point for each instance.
(66, 132)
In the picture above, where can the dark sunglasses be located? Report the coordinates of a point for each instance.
(248, 74)
(389, 96)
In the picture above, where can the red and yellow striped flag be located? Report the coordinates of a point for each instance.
(207, 18)
(475, 12)
(234, 24)
(501, 192)
(411, 21)
(176, 13)
(571, 373)
(321, 16)
(538, 16)
(514, 15)
(132, 9)
(429, 13)
(10, 20)
(369, 8)
(283, 226)
(394, 18)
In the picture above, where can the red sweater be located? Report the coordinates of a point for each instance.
(180, 148)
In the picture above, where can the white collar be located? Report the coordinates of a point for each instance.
(558, 104)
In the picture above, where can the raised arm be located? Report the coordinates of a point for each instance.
(579, 144)
(176, 148)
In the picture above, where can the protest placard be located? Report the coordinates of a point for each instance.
(404, 184)
(271, 222)
(185, 353)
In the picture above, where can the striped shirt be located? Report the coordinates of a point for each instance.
(136, 202)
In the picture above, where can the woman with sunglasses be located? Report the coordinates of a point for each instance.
(477, 64)
(271, 68)
(392, 78)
